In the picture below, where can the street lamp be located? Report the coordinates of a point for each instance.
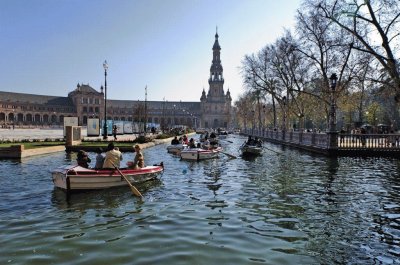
(332, 114)
(173, 122)
(105, 66)
(13, 119)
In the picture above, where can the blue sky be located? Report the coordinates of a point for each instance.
(48, 46)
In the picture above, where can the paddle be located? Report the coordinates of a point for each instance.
(133, 188)
(226, 140)
(231, 156)
(279, 153)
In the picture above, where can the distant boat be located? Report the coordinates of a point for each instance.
(197, 154)
(250, 150)
(175, 148)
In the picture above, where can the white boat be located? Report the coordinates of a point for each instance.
(197, 154)
(251, 149)
(175, 148)
(73, 177)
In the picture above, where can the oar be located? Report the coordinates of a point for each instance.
(226, 140)
(231, 156)
(279, 153)
(133, 188)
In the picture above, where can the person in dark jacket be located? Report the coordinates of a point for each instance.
(83, 159)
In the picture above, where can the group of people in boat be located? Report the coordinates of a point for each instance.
(207, 144)
(254, 142)
(112, 158)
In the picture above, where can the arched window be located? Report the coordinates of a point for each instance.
(84, 109)
(37, 118)
(45, 118)
(29, 117)
(20, 117)
(84, 122)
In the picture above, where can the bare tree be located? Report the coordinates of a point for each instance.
(375, 26)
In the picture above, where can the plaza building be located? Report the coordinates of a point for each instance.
(213, 111)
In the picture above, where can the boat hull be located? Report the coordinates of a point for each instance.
(72, 178)
(175, 149)
(197, 154)
(251, 150)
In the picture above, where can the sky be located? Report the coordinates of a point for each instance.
(47, 47)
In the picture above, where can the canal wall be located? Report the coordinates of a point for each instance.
(333, 144)
(19, 151)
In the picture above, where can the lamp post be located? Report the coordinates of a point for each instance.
(13, 119)
(173, 121)
(284, 118)
(332, 114)
(105, 66)
(145, 111)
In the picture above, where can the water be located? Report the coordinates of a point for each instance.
(291, 208)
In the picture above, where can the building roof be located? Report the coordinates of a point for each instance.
(34, 99)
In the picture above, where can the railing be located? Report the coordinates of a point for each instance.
(347, 144)
(383, 141)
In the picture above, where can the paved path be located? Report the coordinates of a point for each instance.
(41, 134)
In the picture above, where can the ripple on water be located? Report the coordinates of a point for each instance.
(293, 208)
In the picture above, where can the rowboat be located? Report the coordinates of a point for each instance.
(175, 148)
(251, 149)
(197, 154)
(73, 177)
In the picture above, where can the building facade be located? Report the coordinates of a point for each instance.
(30, 110)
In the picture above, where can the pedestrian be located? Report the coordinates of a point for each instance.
(114, 130)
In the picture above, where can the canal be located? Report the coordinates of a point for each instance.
(290, 207)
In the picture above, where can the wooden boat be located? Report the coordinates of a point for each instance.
(251, 149)
(175, 148)
(73, 177)
(197, 154)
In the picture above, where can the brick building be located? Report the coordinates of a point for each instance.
(213, 111)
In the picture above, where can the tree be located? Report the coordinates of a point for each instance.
(375, 26)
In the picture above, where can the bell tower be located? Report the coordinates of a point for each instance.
(216, 106)
(216, 80)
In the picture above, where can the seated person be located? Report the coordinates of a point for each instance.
(138, 161)
(113, 157)
(175, 141)
(99, 159)
(213, 135)
(192, 144)
(206, 143)
(83, 159)
(250, 141)
(257, 142)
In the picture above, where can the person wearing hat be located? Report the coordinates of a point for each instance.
(138, 161)
(113, 157)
